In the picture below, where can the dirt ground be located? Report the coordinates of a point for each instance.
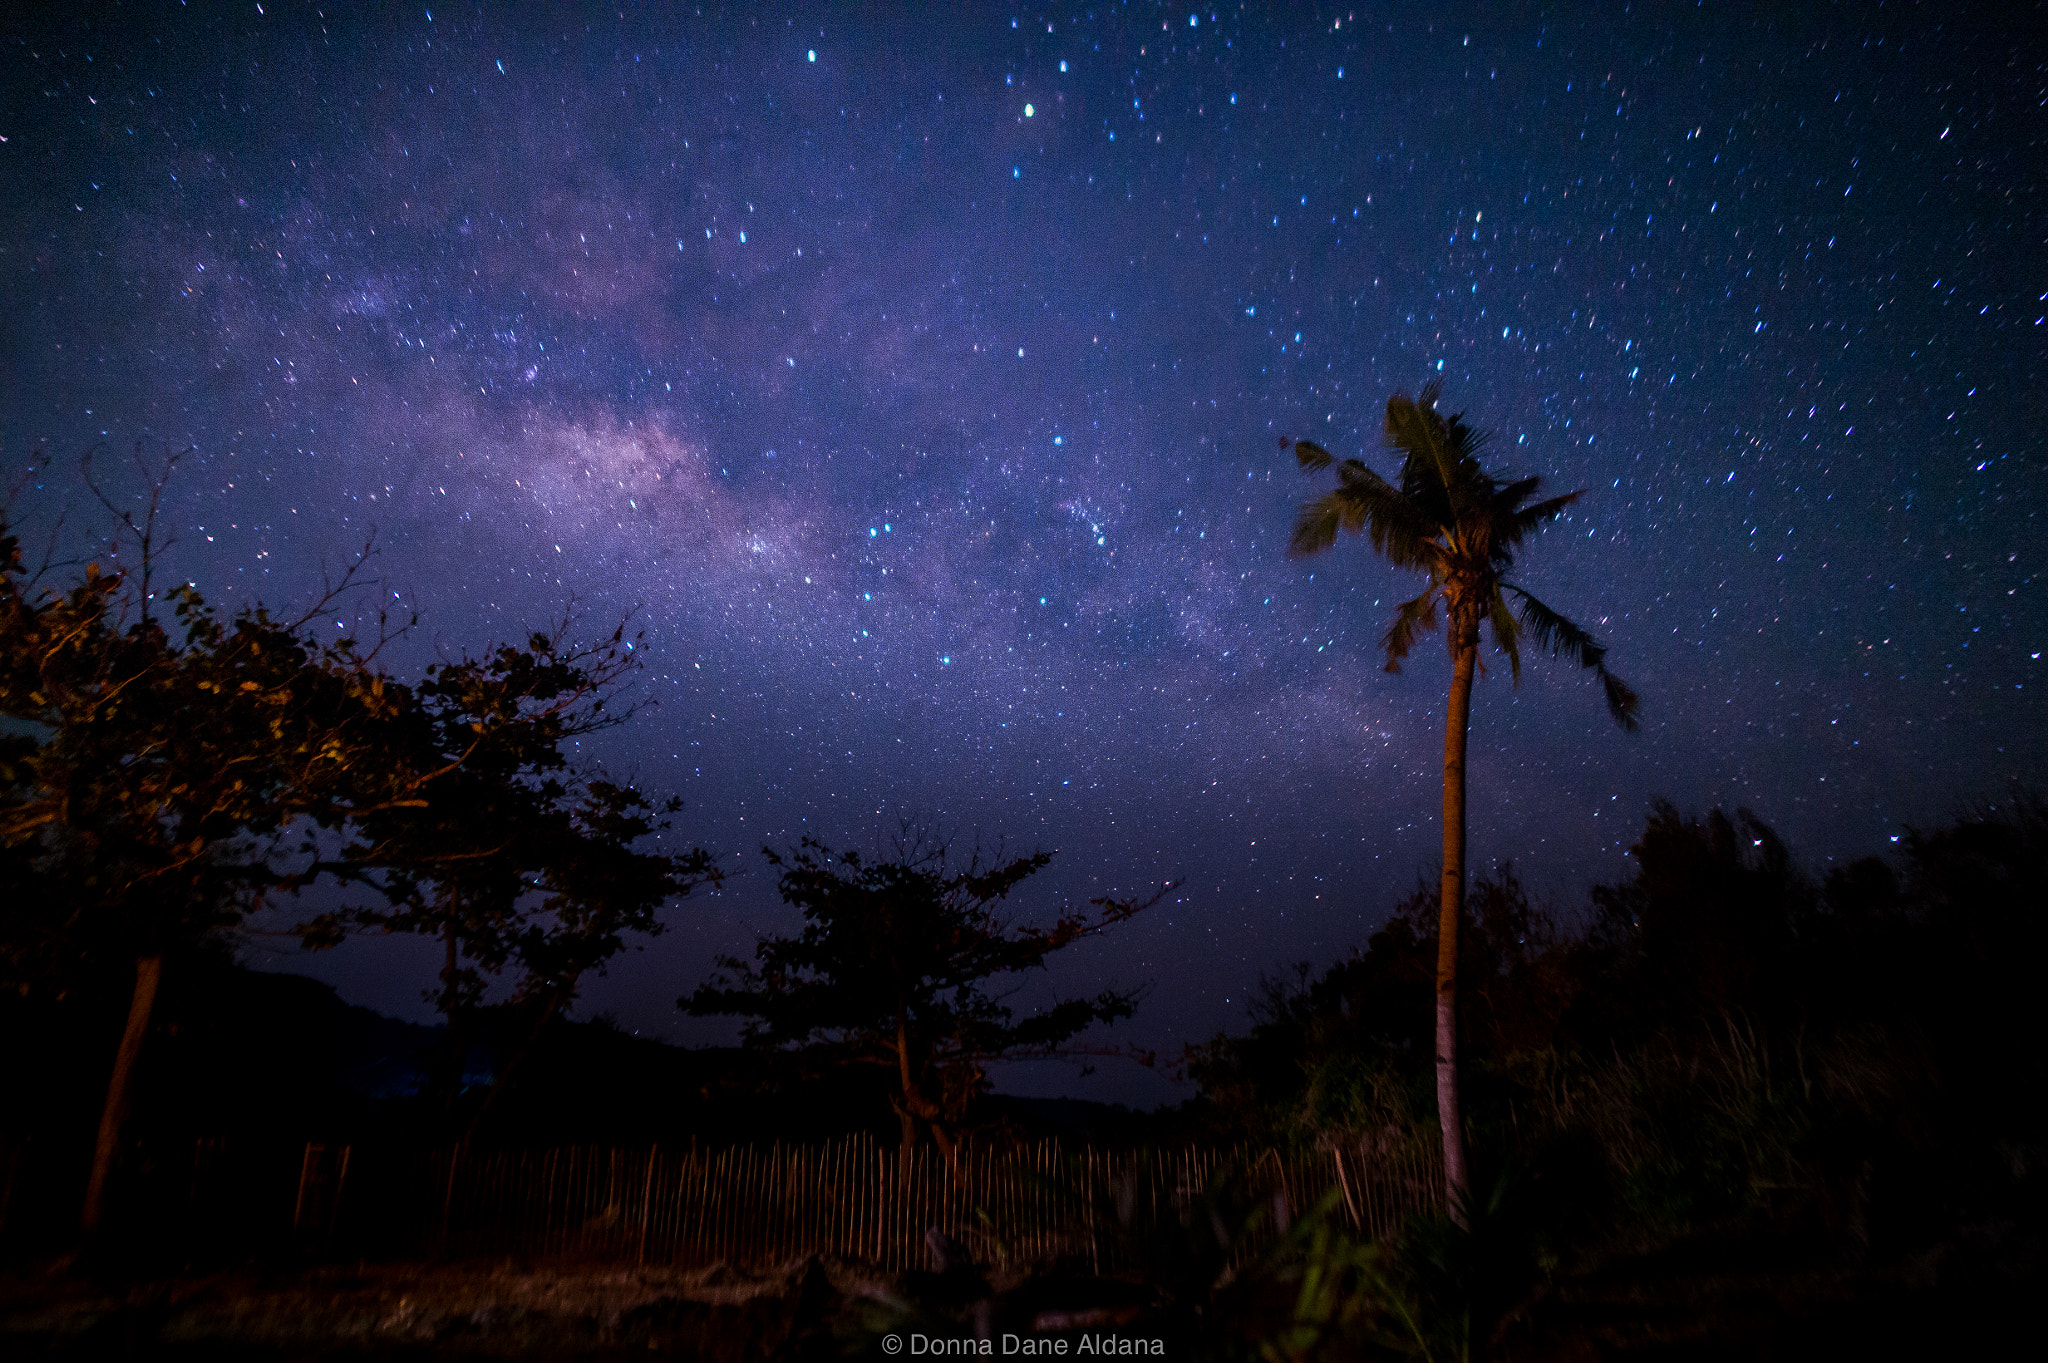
(820, 1309)
(497, 1310)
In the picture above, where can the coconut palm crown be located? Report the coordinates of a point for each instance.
(1461, 525)
(1457, 522)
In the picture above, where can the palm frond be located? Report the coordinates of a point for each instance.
(1511, 495)
(1399, 529)
(1507, 634)
(1423, 438)
(1419, 484)
(1364, 501)
(1353, 471)
(1530, 518)
(1316, 526)
(1412, 617)
(1556, 633)
(1440, 468)
(1312, 456)
(1467, 441)
(1562, 636)
(1621, 700)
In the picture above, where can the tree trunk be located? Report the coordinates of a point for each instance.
(904, 1106)
(1451, 915)
(148, 972)
(455, 1046)
(448, 995)
(914, 1107)
(517, 1058)
(949, 1150)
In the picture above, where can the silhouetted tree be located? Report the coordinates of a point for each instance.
(894, 967)
(1709, 924)
(491, 839)
(164, 769)
(1458, 523)
(155, 778)
(1346, 1054)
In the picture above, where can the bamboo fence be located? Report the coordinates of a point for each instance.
(856, 1197)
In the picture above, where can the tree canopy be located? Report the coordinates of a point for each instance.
(1452, 519)
(519, 858)
(156, 771)
(898, 967)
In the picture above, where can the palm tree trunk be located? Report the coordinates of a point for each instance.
(148, 972)
(1451, 915)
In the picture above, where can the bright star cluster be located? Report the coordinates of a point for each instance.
(918, 384)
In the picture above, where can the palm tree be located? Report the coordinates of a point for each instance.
(1460, 524)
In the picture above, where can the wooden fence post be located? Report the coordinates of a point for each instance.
(646, 1203)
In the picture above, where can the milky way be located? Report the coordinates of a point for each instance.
(918, 388)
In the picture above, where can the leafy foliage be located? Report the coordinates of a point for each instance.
(482, 832)
(154, 772)
(164, 770)
(1345, 1053)
(895, 966)
(1722, 1044)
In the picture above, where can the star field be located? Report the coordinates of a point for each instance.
(918, 385)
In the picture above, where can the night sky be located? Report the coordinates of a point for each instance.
(918, 386)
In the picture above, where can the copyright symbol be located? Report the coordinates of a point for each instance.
(892, 1344)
